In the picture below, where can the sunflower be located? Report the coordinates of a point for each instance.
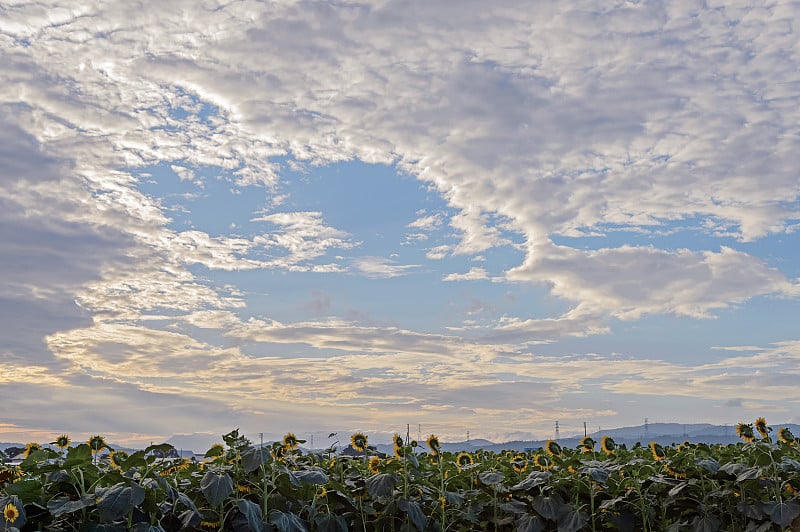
(519, 464)
(216, 450)
(762, 428)
(464, 459)
(97, 443)
(359, 441)
(608, 445)
(433, 444)
(290, 441)
(542, 461)
(117, 459)
(374, 464)
(587, 444)
(7, 475)
(745, 432)
(10, 513)
(399, 450)
(62, 442)
(552, 448)
(785, 436)
(31, 448)
(657, 451)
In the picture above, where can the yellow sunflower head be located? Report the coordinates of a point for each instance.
(762, 428)
(216, 450)
(587, 444)
(745, 432)
(117, 459)
(552, 448)
(31, 447)
(10, 513)
(607, 444)
(97, 443)
(62, 442)
(785, 436)
(399, 445)
(290, 441)
(464, 459)
(374, 464)
(542, 461)
(657, 451)
(519, 464)
(433, 444)
(359, 441)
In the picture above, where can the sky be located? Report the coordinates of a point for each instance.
(334, 216)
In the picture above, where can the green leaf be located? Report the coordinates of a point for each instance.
(781, 513)
(287, 522)
(515, 507)
(216, 487)
(733, 468)
(414, 512)
(572, 521)
(751, 473)
(707, 523)
(254, 457)
(311, 475)
(27, 490)
(709, 464)
(78, 455)
(491, 478)
(412, 459)
(535, 478)
(529, 523)
(21, 519)
(550, 507)
(64, 505)
(381, 485)
(147, 527)
(116, 501)
(252, 513)
(190, 518)
(330, 523)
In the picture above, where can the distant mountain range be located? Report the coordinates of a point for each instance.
(663, 433)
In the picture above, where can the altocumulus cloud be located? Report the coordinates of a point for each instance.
(551, 133)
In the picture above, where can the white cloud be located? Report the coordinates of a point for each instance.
(474, 274)
(381, 268)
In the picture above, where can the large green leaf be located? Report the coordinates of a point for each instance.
(64, 505)
(117, 500)
(78, 455)
(529, 523)
(781, 513)
(330, 523)
(707, 523)
(491, 478)
(572, 520)
(27, 490)
(535, 478)
(216, 487)
(414, 512)
(147, 527)
(550, 507)
(287, 522)
(381, 485)
(253, 515)
(311, 475)
(254, 457)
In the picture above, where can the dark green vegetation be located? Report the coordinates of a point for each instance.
(750, 486)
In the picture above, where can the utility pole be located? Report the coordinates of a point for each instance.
(557, 433)
(467, 436)
(585, 433)
(646, 432)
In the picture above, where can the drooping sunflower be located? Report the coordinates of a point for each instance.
(399, 445)
(520, 464)
(608, 445)
(433, 444)
(552, 448)
(785, 436)
(745, 432)
(97, 443)
(374, 464)
(62, 442)
(762, 428)
(290, 441)
(542, 461)
(216, 450)
(587, 444)
(31, 447)
(10, 513)
(359, 441)
(464, 459)
(117, 459)
(7, 475)
(657, 451)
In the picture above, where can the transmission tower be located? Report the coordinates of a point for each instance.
(557, 433)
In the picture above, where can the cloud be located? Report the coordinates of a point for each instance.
(381, 268)
(474, 274)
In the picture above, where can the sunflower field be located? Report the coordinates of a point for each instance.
(750, 486)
